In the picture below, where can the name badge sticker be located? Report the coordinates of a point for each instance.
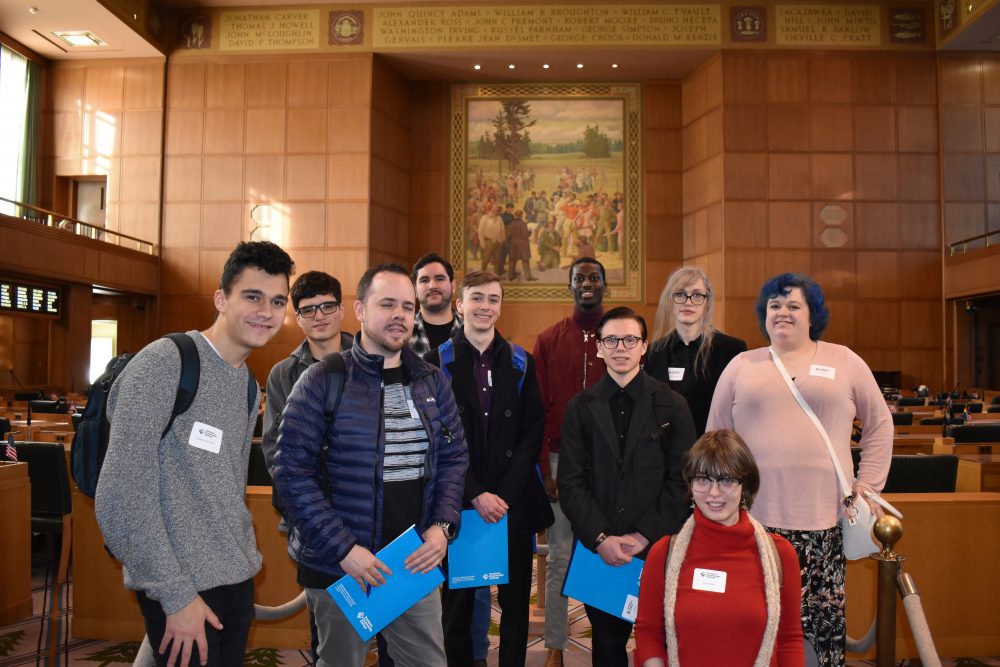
(828, 372)
(206, 437)
(713, 581)
(631, 608)
(675, 374)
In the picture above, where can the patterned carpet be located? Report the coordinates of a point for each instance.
(20, 643)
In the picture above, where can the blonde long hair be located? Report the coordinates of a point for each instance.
(666, 322)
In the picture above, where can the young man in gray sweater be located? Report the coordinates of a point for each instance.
(171, 506)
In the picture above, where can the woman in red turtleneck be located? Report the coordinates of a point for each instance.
(722, 591)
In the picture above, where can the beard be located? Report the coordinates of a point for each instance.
(444, 305)
(382, 339)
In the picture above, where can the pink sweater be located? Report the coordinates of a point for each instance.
(798, 485)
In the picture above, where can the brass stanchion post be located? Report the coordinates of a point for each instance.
(888, 530)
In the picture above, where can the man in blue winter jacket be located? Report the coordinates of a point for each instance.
(397, 457)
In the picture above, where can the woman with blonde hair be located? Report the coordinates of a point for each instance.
(688, 352)
(722, 591)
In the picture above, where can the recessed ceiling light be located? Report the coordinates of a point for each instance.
(511, 66)
(614, 65)
(579, 65)
(80, 38)
(32, 10)
(477, 67)
(545, 66)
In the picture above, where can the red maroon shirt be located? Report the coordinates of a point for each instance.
(566, 363)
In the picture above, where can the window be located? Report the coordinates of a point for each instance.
(103, 346)
(19, 114)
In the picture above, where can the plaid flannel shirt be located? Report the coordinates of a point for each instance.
(419, 342)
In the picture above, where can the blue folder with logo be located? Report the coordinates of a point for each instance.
(612, 589)
(478, 556)
(370, 611)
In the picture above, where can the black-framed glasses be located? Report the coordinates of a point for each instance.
(703, 483)
(327, 308)
(697, 298)
(611, 342)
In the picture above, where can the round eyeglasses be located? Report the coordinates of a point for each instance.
(611, 342)
(697, 298)
(703, 483)
(327, 308)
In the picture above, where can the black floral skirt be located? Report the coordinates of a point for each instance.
(822, 566)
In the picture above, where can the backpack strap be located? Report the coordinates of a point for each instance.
(336, 375)
(520, 360)
(187, 388)
(446, 354)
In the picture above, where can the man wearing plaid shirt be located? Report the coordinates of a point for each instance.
(437, 321)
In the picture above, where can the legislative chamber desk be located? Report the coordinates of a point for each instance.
(950, 542)
(103, 609)
(15, 536)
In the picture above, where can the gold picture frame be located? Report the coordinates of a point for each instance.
(580, 145)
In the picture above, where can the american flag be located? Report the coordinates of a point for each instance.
(10, 451)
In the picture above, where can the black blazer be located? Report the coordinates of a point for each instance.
(504, 462)
(601, 491)
(697, 386)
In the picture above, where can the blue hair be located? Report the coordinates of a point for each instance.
(781, 285)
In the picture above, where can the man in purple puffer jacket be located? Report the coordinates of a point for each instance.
(397, 457)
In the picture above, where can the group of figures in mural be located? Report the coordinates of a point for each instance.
(543, 186)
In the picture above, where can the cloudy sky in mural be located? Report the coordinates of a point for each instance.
(559, 121)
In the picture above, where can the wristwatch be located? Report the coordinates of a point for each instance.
(449, 529)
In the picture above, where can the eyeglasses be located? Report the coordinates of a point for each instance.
(327, 308)
(702, 483)
(697, 298)
(611, 342)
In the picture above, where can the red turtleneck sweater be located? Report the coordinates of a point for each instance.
(720, 628)
(566, 363)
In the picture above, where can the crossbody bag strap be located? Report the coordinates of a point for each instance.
(845, 487)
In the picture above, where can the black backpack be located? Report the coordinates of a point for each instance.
(90, 443)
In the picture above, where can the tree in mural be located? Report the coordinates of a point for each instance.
(596, 144)
(510, 133)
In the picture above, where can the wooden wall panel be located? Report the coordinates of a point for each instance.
(856, 130)
(261, 126)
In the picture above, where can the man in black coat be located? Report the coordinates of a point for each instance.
(620, 484)
(502, 414)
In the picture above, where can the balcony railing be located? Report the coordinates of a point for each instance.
(42, 216)
(974, 243)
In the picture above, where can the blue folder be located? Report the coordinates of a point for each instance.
(612, 589)
(369, 612)
(478, 556)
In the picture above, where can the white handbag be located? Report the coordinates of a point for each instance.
(857, 519)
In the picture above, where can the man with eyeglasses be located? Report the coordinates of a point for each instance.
(318, 312)
(620, 483)
(566, 363)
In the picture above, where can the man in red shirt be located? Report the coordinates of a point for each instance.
(566, 364)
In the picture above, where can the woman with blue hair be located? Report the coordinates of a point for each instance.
(800, 497)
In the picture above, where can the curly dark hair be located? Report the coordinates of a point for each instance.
(264, 255)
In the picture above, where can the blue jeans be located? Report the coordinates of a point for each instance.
(482, 610)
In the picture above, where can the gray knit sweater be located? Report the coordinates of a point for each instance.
(174, 514)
